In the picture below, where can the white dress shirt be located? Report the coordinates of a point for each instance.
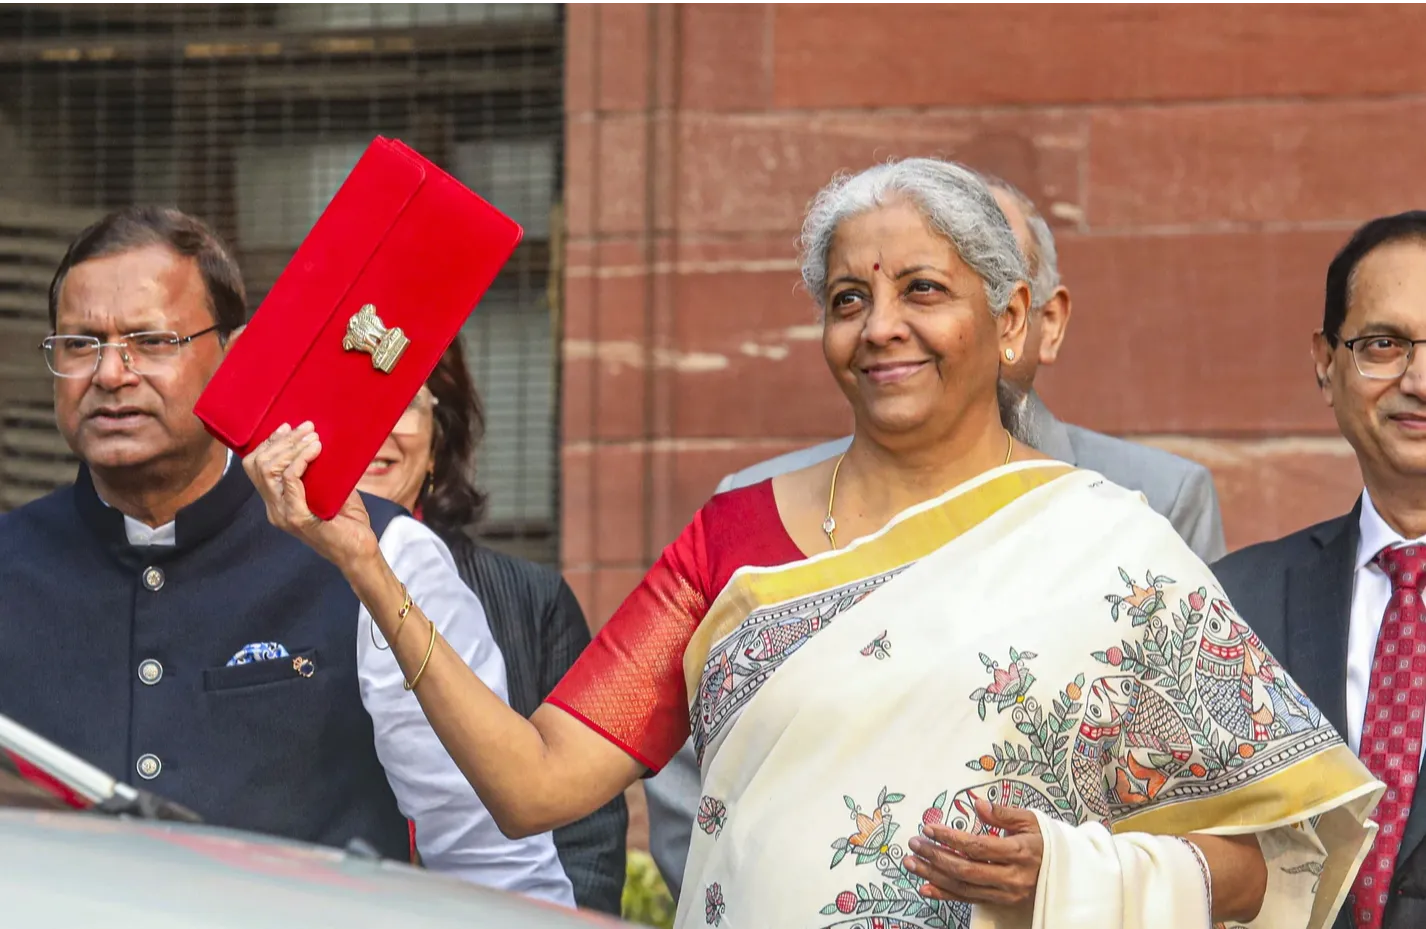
(1371, 591)
(455, 834)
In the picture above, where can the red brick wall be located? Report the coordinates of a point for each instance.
(1199, 164)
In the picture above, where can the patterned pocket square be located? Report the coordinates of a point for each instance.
(258, 651)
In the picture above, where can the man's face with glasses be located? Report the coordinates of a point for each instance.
(134, 346)
(1374, 378)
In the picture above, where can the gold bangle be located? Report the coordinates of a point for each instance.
(402, 614)
(411, 684)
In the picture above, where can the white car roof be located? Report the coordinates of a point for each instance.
(86, 869)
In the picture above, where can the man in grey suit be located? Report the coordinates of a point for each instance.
(1179, 489)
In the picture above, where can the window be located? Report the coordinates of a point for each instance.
(250, 116)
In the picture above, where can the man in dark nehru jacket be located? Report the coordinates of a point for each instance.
(154, 623)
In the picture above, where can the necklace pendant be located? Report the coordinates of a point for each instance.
(829, 525)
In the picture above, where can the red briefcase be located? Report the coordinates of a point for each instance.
(360, 316)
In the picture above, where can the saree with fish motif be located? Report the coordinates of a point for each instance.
(1037, 637)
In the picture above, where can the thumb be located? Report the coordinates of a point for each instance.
(354, 506)
(1012, 820)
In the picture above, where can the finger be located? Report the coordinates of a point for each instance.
(272, 458)
(979, 847)
(254, 460)
(948, 863)
(283, 451)
(285, 447)
(306, 452)
(952, 881)
(1012, 819)
(355, 508)
(294, 492)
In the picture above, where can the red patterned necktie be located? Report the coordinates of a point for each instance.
(1392, 727)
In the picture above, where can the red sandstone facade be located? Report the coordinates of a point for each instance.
(1199, 164)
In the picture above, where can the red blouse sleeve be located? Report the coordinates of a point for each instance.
(629, 685)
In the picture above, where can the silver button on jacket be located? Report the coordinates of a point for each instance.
(149, 766)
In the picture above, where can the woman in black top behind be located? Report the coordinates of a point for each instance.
(427, 465)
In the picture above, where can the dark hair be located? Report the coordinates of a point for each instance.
(138, 227)
(449, 502)
(1381, 231)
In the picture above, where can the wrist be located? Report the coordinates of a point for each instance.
(368, 574)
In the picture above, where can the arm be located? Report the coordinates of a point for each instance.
(454, 832)
(1005, 871)
(1239, 875)
(592, 849)
(1196, 516)
(532, 774)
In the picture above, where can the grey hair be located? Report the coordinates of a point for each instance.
(1043, 262)
(954, 200)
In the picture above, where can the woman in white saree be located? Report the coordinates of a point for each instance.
(940, 682)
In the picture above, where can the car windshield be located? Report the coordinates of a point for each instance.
(36, 773)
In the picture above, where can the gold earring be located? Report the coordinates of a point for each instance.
(1009, 354)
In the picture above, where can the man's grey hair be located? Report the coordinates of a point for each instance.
(1043, 262)
(955, 201)
(1015, 413)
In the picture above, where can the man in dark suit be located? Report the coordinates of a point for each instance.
(1341, 603)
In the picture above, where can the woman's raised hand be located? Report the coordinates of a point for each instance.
(276, 468)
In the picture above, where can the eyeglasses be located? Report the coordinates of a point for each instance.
(1382, 357)
(412, 419)
(143, 352)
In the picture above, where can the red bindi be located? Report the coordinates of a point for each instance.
(876, 267)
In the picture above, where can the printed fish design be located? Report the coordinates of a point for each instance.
(1124, 717)
(1004, 792)
(782, 638)
(1244, 689)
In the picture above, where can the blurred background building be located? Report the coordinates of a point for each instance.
(1199, 164)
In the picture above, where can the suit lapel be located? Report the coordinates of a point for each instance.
(1049, 434)
(1318, 614)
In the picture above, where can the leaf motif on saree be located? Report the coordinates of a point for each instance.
(897, 894)
(1008, 685)
(880, 647)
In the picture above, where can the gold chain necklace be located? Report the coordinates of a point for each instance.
(829, 525)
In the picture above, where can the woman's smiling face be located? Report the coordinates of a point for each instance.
(907, 329)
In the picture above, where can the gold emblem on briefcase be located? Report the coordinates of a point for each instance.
(367, 333)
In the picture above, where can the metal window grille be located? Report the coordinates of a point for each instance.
(250, 115)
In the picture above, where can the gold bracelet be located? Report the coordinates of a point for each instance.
(402, 614)
(411, 684)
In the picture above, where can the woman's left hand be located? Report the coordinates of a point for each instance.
(983, 869)
(276, 468)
